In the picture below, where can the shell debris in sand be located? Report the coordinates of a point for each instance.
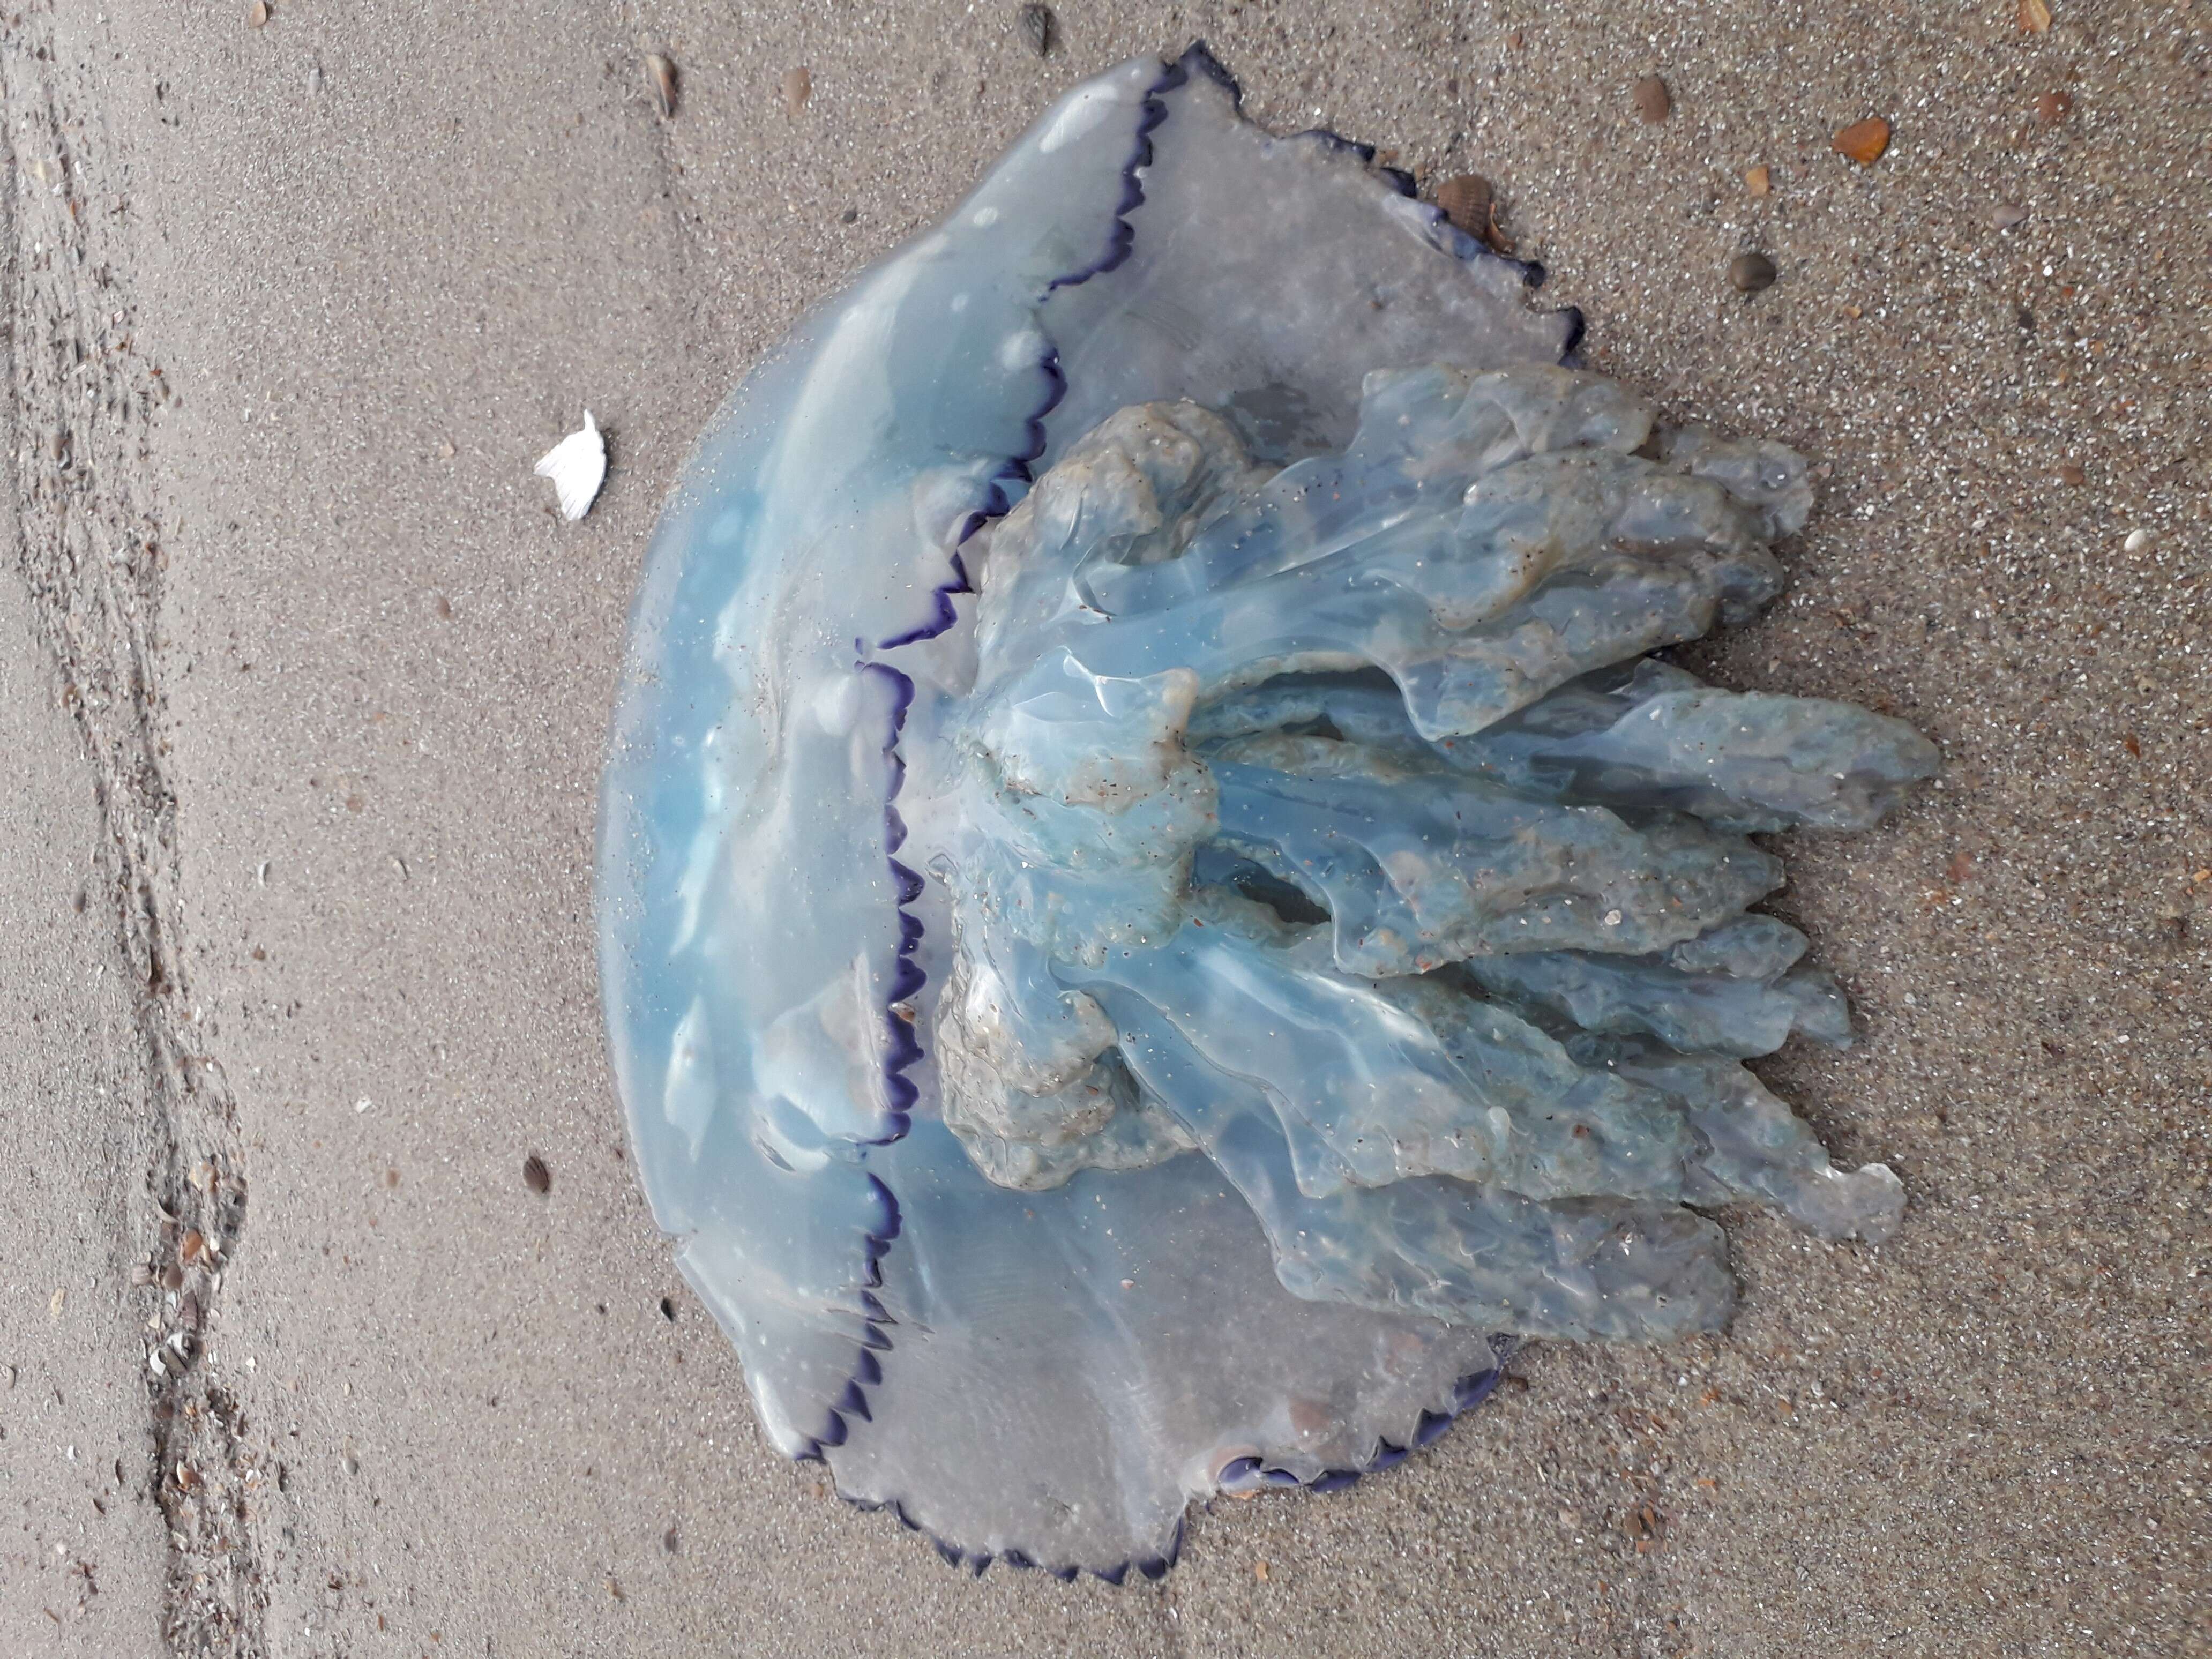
(578, 466)
(1864, 141)
(660, 78)
(1039, 28)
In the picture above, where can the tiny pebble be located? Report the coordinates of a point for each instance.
(1751, 272)
(536, 1175)
(315, 79)
(2053, 107)
(1864, 141)
(1260, 1571)
(2137, 540)
(848, 215)
(257, 14)
(1653, 101)
(2072, 473)
(798, 88)
(660, 78)
(1038, 27)
(2005, 215)
(1758, 181)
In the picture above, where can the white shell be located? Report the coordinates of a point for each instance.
(578, 466)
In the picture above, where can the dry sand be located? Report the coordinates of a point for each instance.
(303, 686)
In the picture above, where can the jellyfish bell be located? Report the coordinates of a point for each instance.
(1156, 913)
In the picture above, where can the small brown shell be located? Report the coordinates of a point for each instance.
(660, 77)
(536, 1175)
(1653, 101)
(1467, 201)
(1471, 204)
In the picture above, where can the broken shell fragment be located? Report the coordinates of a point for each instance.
(1654, 102)
(798, 88)
(578, 467)
(1038, 27)
(660, 79)
(1864, 141)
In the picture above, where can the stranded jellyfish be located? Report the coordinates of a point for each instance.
(1157, 913)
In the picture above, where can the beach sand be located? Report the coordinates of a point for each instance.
(302, 686)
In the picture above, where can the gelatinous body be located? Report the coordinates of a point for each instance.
(1156, 914)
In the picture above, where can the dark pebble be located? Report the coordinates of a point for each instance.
(1750, 272)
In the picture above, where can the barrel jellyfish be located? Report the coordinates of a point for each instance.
(1157, 912)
